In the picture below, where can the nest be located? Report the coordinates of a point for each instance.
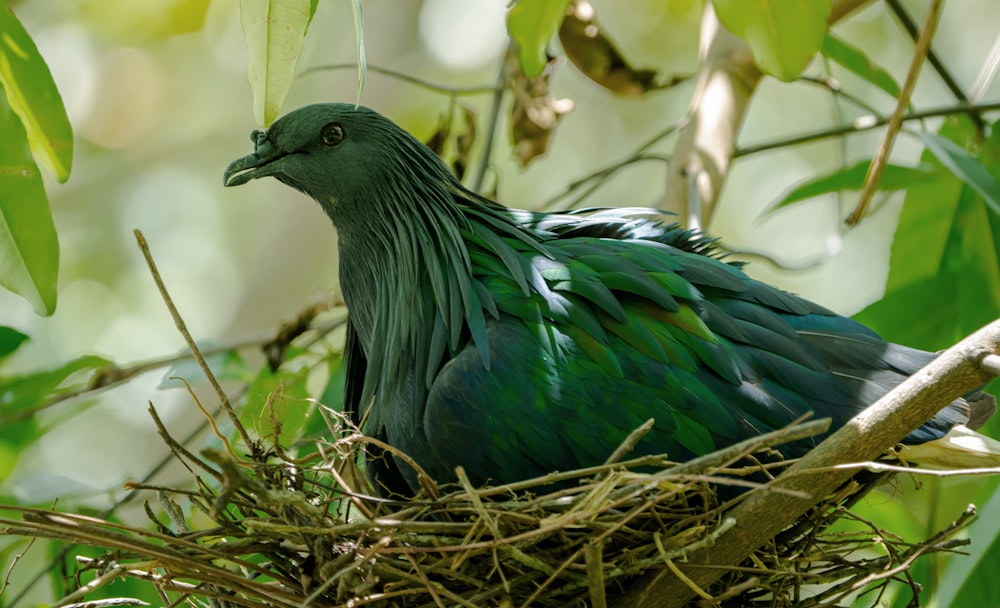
(281, 531)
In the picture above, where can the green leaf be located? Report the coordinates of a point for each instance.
(965, 167)
(29, 248)
(782, 35)
(856, 61)
(33, 95)
(28, 391)
(532, 24)
(10, 340)
(944, 279)
(275, 31)
(895, 177)
(15, 436)
(915, 315)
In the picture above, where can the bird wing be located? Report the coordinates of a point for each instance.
(612, 325)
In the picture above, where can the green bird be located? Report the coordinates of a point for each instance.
(515, 344)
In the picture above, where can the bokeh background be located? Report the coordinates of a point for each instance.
(157, 95)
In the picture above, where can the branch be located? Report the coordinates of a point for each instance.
(881, 158)
(861, 124)
(192, 345)
(932, 58)
(868, 435)
(726, 80)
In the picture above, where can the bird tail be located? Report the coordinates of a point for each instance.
(960, 448)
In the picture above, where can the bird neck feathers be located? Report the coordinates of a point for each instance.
(408, 284)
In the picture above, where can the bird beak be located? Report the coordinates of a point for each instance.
(257, 164)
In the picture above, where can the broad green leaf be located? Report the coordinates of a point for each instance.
(965, 167)
(895, 177)
(971, 254)
(29, 248)
(33, 95)
(14, 438)
(531, 24)
(927, 218)
(944, 279)
(783, 35)
(25, 392)
(10, 340)
(915, 314)
(275, 31)
(856, 61)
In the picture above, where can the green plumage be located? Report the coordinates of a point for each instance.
(516, 343)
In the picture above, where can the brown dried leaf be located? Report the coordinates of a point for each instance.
(464, 142)
(535, 112)
(598, 58)
(454, 146)
(439, 138)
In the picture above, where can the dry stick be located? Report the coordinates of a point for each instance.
(761, 516)
(932, 58)
(182, 328)
(633, 438)
(877, 166)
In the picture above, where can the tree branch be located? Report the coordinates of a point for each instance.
(727, 78)
(868, 435)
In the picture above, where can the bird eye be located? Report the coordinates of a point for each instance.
(332, 134)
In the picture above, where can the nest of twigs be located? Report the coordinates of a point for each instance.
(283, 531)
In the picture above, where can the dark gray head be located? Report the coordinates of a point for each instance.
(338, 153)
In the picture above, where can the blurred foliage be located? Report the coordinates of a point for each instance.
(275, 32)
(31, 117)
(944, 279)
(783, 36)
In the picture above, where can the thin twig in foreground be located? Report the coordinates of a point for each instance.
(877, 166)
(182, 328)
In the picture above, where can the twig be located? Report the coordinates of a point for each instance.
(99, 581)
(594, 560)
(491, 127)
(859, 125)
(881, 158)
(192, 345)
(833, 86)
(107, 602)
(633, 438)
(13, 562)
(932, 58)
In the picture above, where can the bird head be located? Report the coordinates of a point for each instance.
(335, 153)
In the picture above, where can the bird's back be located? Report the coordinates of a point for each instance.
(619, 318)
